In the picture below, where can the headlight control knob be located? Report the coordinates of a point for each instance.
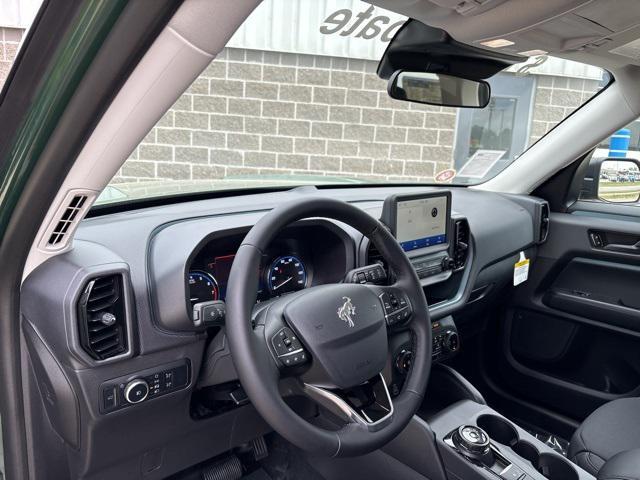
(403, 361)
(136, 391)
(452, 341)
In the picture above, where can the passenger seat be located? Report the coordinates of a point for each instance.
(611, 429)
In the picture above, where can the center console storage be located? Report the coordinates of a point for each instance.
(475, 442)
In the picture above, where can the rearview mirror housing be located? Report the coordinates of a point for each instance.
(438, 89)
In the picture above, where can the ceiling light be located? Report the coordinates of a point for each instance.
(497, 43)
(533, 53)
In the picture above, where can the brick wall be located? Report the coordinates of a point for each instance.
(262, 113)
(9, 41)
(267, 113)
(555, 98)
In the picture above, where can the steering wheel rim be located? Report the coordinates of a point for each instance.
(258, 371)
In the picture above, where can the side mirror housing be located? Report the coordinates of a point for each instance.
(612, 179)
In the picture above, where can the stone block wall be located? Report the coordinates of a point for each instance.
(254, 113)
(261, 113)
(555, 99)
(9, 41)
(267, 113)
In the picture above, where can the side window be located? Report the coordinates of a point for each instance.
(15, 17)
(9, 41)
(616, 165)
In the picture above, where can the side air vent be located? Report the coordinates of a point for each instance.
(102, 317)
(66, 219)
(544, 223)
(461, 244)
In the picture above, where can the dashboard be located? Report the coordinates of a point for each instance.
(112, 340)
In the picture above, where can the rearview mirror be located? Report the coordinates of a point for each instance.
(438, 89)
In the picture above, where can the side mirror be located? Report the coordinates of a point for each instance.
(619, 180)
(438, 89)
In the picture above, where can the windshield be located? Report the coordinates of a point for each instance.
(294, 100)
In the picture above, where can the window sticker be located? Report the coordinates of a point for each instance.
(521, 270)
(480, 163)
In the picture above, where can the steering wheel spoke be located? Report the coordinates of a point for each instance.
(287, 349)
(368, 405)
(396, 305)
(282, 343)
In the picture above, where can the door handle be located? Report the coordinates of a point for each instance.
(618, 247)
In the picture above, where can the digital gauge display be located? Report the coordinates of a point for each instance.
(286, 274)
(203, 287)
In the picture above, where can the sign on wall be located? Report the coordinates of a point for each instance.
(18, 13)
(338, 28)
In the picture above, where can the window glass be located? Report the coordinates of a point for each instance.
(294, 99)
(492, 127)
(15, 17)
(617, 160)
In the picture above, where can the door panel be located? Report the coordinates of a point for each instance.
(571, 335)
(602, 291)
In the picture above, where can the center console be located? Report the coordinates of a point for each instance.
(475, 442)
(423, 226)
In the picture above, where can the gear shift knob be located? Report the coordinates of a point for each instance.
(474, 443)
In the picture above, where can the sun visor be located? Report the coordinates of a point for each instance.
(419, 47)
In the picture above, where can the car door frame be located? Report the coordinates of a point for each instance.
(46, 117)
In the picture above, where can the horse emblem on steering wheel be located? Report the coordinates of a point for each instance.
(347, 311)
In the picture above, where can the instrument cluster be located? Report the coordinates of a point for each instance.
(280, 273)
(310, 253)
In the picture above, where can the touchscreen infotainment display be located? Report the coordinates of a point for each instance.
(421, 222)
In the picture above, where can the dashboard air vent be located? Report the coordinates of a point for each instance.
(102, 317)
(68, 218)
(544, 223)
(461, 244)
(65, 219)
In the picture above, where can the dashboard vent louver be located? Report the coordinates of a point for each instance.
(65, 220)
(69, 216)
(102, 317)
(544, 222)
(461, 244)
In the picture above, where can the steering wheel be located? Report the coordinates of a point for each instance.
(331, 338)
